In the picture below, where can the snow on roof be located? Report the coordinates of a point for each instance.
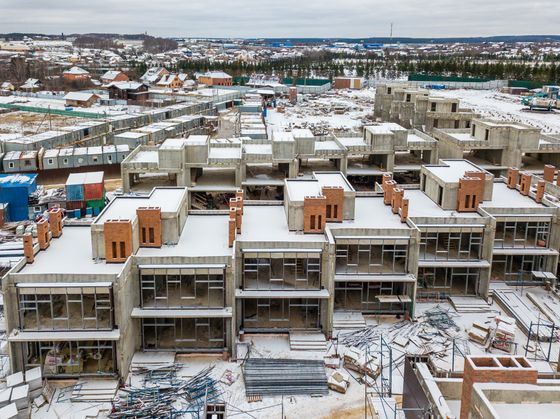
(124, 207)
(450, 171)
(111, 74)
(384, 128)
(217, 75)
(70, 254)
(298, 189)
(79, 96)
(268, 224)
(224, 153)
(202, 236)
(17, 179)
(302, 133)
(282, 136)
(422, 206)
(173, 144)
(364, 208)
(504, 197)
(333, 179)
(125, 85)
(76, 70)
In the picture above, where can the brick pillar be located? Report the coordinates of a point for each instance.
(512, 177)
(43, 234)
(525, 184)
(549, 172)
(404, 210)
(335, 203)
(55, 222)
(478, 175)
(540, 190)
(396, 199)
(494, 369)
(314, 214)
(469, 194)
(388, 191)
(231, 232)
(28, 247)
(118, 240)
(240, 196)
(238, 219)
(149, 226)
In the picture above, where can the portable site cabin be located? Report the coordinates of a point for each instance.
(28, 161)
(123, 150)
(131, 139)
(65, 158)
(109, 154)
(11, 162)
(80, 157)
(50, 159)
(95, 156)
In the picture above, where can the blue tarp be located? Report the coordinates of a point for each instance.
(14, 191)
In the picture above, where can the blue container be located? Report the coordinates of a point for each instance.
(15, 190)
(78, 213)
(96, 211)
(89, 211)
(74, 192)
(70, 214)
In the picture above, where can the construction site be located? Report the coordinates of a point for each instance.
(381, 252)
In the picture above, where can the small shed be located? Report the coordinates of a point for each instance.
(28, 161)
(123, 150)
(11, 162)
(80, 156)
(14, 191)
(95, 156)
(50, 159)
(109, 154)
(65, 158)
(81, 99)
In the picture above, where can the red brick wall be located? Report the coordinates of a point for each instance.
(43, 234)
(149, 226)
(118, 240)
(314, 214)
(396, 199)
(540, 190)
(549, 172)
(469, 194)
(492, 370)
(512, 177)
(28, 247)
(335, 203)
(388, 187)
(525, 184)
(55, 221)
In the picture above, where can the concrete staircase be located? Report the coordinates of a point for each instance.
(307, 341)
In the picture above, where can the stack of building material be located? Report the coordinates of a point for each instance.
(504, 335)
(524, 314)
(272, 377)
(339, 381)
(85, 190)
(308, 341)
(34, 379)
(95, 391)
(9, 411)
(357, 360)
(468, 304)
(348, 320)
(20, 397)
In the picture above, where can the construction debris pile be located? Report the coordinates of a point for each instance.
(289, 377)
(166, 395)
(432, 334)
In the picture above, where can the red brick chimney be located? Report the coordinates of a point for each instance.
(238, 218)
(43, 234)
(28, 247)
(396, 199)
(549, 172)
(388, 191)
(540, 190)
(490, 369)
(469, 194)
(512, 177)
(314, 214)
(118, 240)
(149, 226)
(240, 196)
(55, 222)
(335, 203)
(525, 184)
(231, 231)
(404, 210)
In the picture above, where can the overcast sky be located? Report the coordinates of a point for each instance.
(283, 18)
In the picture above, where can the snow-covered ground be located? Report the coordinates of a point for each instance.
(343, 110)
(493, 104)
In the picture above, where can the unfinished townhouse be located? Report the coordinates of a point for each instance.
(387, 147)
(497, 145)
(416, 108)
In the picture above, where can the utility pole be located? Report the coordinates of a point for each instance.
(391, 33)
